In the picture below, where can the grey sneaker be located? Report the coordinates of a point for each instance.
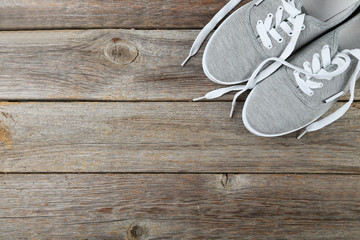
(301, 92)
(263, 29)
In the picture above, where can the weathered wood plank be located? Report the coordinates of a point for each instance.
(164, 137)
(179, 207)
(159, 14)
(101, 65)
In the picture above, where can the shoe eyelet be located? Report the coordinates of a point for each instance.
(311, 94)
(303, 27)
(290, 33)
(259, 22)
(281, 8)
(270, 15)
(321, 85)
(326, 46)
(307, 65)
(269, 47)
(280, 40)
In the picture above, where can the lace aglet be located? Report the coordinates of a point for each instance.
(302, 134)
(186, 60)
(198, 99)
(232, 111)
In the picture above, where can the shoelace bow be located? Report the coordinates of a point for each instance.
(263, 28)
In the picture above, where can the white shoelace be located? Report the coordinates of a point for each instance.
(342, 58)
(296, 18)
(317, 66)
(259, 74)
(209, 27)
(263, 28)
(266, 28)
(317, 71)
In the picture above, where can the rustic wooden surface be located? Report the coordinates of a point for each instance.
(154, 14)
(99, 138)
(164, 137)
(180, 206)
(101, 65)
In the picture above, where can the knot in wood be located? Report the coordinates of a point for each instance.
(228, 181)
(136, 231)
(121, 52)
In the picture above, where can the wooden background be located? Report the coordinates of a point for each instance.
(100, 139)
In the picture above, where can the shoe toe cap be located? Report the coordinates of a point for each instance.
(230, 55)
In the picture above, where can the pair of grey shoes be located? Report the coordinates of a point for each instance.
(298, 57)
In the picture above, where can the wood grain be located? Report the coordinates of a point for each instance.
(101, 65)
(286, 191)
(164, 137)
(159, 14)
(179, 207)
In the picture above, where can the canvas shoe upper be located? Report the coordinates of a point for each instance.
(263, 29)
(304, 89)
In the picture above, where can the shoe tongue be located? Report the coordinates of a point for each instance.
(299, 3)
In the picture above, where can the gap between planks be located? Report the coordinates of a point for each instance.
(183, 173)
(179, 206)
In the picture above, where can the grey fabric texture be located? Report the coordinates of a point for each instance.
(235, 49)
(277, 106)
